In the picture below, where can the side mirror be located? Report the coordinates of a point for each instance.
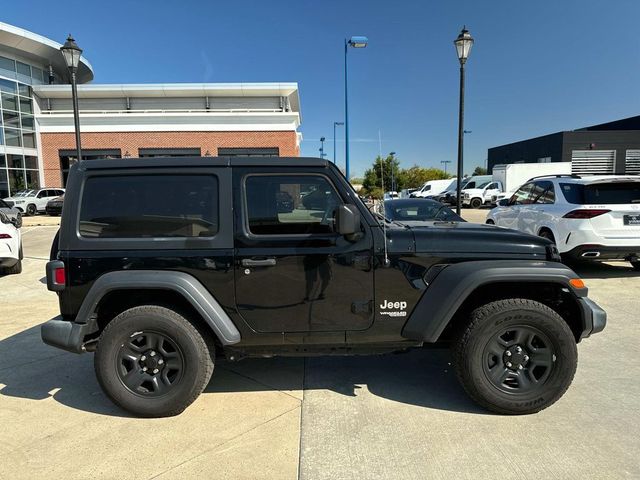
(347, 220)
(503, 202)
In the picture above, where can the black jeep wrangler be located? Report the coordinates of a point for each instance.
(163, 265)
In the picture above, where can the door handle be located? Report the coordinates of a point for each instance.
(264, 262)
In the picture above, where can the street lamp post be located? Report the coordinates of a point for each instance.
(463, 44)
(355, 42)
(322, 154)
(335, 124)
(445, 162)
(393, 179)
(71, 53)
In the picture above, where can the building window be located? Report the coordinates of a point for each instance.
(632, 162)
(249, 152)
(69, 157)
(18, 172)
(592, 162)
(168, 152)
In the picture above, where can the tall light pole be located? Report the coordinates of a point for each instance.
(322, 154)
(335, 124)
(355, 42)
(71, 53)
(393, 178)
(463, 44)
(445, 162)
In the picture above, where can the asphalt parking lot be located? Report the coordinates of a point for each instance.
(394, 416)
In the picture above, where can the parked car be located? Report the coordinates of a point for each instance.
(450, 195)
(481, 195)
(411, 211)
(12, 213)
(284, 202)
(10, 246)
(31, 202)
(590, 218)
(228, 276)
(54, 206)
(433, 187)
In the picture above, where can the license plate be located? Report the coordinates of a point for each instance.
(631, 220)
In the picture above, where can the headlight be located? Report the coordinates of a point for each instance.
(19, 202)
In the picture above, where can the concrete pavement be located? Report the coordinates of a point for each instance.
(393, 416)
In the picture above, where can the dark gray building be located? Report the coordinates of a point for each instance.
(612, 147)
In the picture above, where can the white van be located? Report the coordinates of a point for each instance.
(433, 187)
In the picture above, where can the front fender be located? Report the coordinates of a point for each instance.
(453, 285)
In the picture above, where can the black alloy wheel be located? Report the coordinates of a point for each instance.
(519, 359)
(150, 364)
(31, 210)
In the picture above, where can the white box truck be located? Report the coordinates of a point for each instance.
(512, 176)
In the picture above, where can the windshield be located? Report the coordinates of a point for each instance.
(25, 193)
(418, 211)
(483, 184)
(616, 193)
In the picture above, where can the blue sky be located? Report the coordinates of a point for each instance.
(536, 67)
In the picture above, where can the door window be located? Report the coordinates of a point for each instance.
(522, 195)
(290, 204)
(543, 193)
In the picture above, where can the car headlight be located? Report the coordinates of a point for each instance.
(19, 202)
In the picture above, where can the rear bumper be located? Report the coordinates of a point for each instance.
(594, 318)
(8, 262)
(603, 253)
(53, 210)
(67, 335)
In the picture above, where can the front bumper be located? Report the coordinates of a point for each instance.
(603, 253)
(66, 334)
(594, 318)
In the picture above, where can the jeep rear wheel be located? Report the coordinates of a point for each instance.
(152, 361)
(515, 356)
(635, 264)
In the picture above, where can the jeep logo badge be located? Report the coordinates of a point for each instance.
(393, 309)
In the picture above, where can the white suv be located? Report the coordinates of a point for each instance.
(31, 202)
(10, 246)
(591, 218)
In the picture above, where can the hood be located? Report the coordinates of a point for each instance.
(470, 240)
(473, 191)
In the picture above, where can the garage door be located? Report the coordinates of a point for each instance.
(632, 162)
(592, 162)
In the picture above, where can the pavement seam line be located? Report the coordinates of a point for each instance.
(304, 381)
(227, 369)
(215, 447)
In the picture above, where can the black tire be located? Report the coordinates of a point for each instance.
(508, 389)
(31, 210)
(490, 222)
(476, 203)
(636, 265)
(548, 235)
(16, 269)
(131, 340)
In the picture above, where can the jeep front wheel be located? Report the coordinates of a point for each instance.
(153, 362)
(515, 356)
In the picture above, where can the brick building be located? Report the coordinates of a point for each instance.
(37, 144)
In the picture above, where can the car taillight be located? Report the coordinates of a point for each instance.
(5, 235)
(586, 213)
(59, 276)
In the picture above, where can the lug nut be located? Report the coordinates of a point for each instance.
(526, 358)
(160, 362)
(520, 367)
(508, 353)
(518, 349)
(143, 358)
(509, 364)
(155, 370)
(144, 369)
(153, 354)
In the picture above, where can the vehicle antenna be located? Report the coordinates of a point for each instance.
(384, 221)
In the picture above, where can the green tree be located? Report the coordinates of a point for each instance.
(381, 170)
(479, 171)
(416, 176)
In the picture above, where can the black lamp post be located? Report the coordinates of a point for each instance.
(322, 154)
(463, 44)
(393, 178)
(71, 53)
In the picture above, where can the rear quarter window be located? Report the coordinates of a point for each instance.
(611, 193)
(149, 206)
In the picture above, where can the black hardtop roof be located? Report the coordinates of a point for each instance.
(119, 163)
